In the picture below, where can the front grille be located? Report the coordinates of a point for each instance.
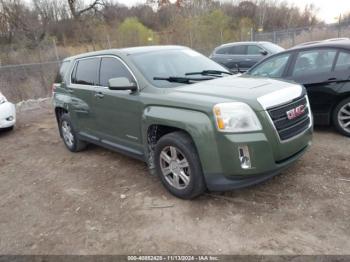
(289, 127)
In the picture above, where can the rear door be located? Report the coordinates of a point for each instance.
(82, 84)
(231, 56)
(313, 69)
(342, 68)
(118, 112)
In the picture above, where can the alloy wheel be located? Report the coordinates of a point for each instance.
(344, 117)
(175, 167)
(67, 133)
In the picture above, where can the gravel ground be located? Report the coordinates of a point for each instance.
(100, 202)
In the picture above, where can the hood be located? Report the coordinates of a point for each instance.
(260, 93)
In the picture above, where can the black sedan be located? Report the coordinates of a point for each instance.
(324, 69)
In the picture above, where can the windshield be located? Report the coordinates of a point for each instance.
(172, 63)
(272, 47)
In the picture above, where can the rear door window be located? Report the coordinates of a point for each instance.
(86, 72)
(343, 62)
(223, 50)
(232, 50)
(113, 68)
(237, 50)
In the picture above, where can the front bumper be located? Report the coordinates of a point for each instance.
(220, 182)
(7, 115)
(268, 158)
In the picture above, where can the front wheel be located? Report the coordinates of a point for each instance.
(341, 117)
(178, 165)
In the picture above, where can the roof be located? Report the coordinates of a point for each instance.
(128, 51)
(344, 44)
(243, 43)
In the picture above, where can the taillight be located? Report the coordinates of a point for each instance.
(53, 88)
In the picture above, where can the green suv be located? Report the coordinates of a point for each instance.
(183, 114)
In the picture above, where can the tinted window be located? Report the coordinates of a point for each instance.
(232, 50)
(86, 72)
(273, 67)
(61, 72)
(314, 62)
(343, 62)
(223, 50)
(237, 50)
(113, 68)
(254, 50)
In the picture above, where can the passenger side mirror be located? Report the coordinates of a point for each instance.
(121, 83)
(264, 52)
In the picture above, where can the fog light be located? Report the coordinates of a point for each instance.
(244, 157)
(10, 118)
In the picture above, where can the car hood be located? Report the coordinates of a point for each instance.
(258, 92)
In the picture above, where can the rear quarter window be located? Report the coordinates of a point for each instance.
(61, 72)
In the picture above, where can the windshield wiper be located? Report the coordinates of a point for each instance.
(184, 80)
(209, 72)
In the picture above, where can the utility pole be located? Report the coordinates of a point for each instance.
(339, 26)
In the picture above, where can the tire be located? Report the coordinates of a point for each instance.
(69, 137)
(341, 117)
(181, 158)
(8, 129)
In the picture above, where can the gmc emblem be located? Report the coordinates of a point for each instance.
(296, 112)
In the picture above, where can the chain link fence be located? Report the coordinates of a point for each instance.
(27, 81)
(291, 37)
(33, 78)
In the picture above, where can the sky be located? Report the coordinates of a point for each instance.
(329, 10)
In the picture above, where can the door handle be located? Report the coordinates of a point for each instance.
(69, 90)
(99, 95)
(332, 80)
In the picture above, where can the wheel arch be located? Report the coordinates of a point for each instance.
(339, 99)
(59, 111)
(159, 120)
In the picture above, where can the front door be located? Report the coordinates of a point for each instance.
(313, 69)
(118, 113)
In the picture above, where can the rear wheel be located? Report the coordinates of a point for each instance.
(178, 165)
(341, 117)
(70, 139)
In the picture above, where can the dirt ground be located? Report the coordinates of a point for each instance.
(56, 202)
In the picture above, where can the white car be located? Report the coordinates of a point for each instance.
(7, 113)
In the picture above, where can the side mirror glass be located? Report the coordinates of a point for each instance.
(121, 83)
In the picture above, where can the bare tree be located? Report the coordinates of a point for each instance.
(77, 11)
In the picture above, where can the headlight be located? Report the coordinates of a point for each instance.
(2, 99)
(236, 117)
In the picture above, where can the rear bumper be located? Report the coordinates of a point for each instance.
(220, 182)
(7, 115)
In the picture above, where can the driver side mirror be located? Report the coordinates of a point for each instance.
(264, 52)
(121, 83)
